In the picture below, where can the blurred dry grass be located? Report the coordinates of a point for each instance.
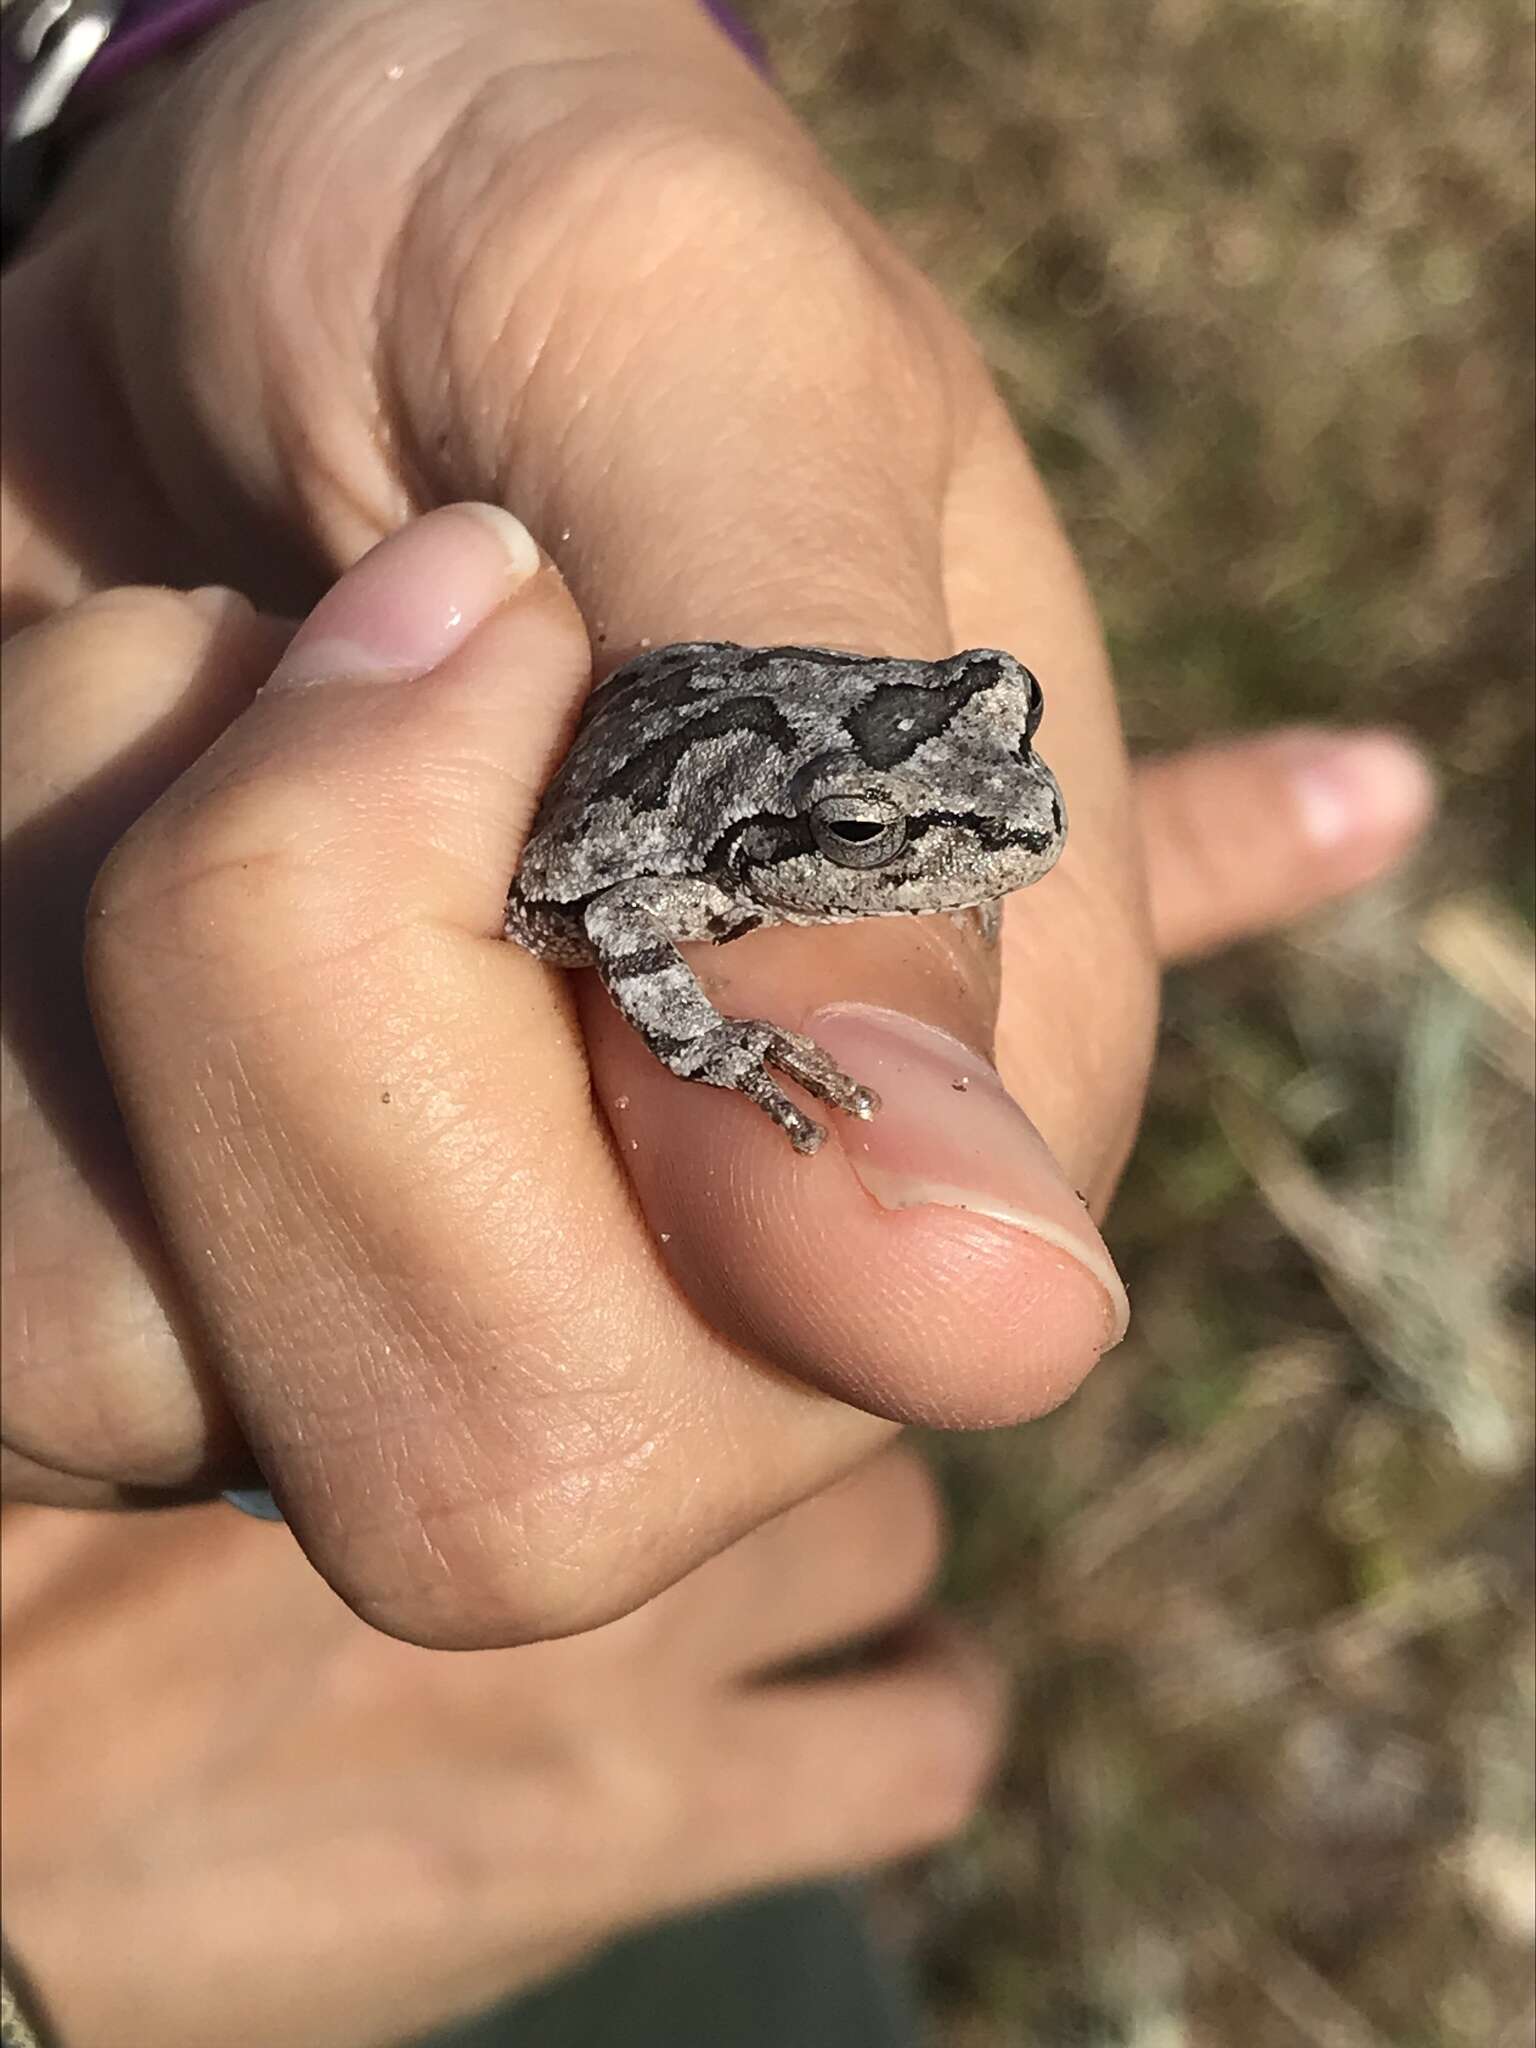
(1256, 276)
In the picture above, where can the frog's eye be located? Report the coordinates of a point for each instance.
(1035, 709)
(858, 831)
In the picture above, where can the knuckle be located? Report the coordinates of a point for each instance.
(668, 165)
(553, 1557)
(660, 176)
(102, 623)
(82, 682)
(452, 1610)
(93, 1377)
(788, 218)
(227, 880)
(69, 1410)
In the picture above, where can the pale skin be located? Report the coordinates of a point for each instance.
(512, 1361)
(293, 1828)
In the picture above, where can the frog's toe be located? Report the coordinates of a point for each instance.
(738, 1055)
(803, 1060)
(803, 1132)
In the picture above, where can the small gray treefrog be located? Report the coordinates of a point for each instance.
(711, 789)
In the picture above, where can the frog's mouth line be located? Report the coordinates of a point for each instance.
(994, 834)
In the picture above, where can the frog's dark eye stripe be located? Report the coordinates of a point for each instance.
(759, 841)
(991, 833)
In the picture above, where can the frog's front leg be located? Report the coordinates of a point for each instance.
(658, 992)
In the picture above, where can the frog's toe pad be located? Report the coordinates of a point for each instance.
(738, 1056)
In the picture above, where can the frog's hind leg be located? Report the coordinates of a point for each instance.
(546, 929)
(659, 994)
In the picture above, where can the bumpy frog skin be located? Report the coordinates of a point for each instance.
(712, 789)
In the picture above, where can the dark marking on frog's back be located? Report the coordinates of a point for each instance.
(644, 778)
(895, 719)
(640, 693)
(696, 802)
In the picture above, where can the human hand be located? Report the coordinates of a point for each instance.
(236, 1814)
(390, 1240)
(590, 267)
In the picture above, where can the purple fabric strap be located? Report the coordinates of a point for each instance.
(143, 31)
(747, 40)
(147, 29)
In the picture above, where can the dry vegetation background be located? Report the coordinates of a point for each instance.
(1256, 276)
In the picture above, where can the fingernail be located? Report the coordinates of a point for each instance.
(216, 602)
(949, 1134)
(1367, 785)
(412, 599)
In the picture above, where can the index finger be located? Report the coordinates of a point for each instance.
(405, 1248)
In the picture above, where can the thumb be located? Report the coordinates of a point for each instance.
(1249, 834)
